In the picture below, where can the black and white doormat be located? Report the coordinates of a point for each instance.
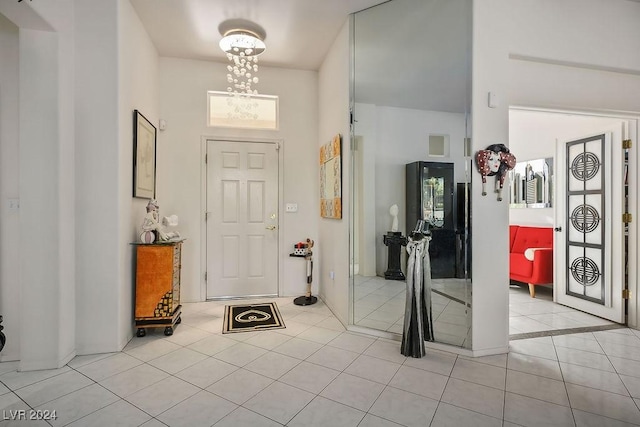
(255, 317)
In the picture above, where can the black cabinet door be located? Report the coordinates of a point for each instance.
(429, 197)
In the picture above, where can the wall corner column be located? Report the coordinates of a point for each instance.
(490, 217)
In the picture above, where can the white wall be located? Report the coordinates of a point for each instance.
(117, 74)
(183, 85)
(46, 179)
(575, 53)
(490, 302)
(139, 89)
(564, 55)
(98, 243)
(9, 220)
(601, 33)
(74, 108)
(44, 296)
(83, 65)
(334, 118)
(533, 135)
(39, 187)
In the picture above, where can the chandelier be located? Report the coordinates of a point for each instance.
(242, 47)
(242, 41)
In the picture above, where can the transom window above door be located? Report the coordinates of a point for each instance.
(242, 111)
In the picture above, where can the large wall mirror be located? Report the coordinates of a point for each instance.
(411, 97)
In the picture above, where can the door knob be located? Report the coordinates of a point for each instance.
(270, 227)
(558, 229)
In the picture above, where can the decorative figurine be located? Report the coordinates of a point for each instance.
(393, 211)
(495, 160)
(152, 230)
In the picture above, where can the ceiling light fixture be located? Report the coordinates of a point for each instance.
(242, 41)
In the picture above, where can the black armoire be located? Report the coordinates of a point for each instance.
(429, 196)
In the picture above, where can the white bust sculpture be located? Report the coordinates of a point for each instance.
(393, 211)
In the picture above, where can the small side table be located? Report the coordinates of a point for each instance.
(306, 299)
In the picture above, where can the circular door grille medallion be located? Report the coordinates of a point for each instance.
(585, 271)
(585, 218)
(585, 166)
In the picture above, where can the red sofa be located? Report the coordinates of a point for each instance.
(531, 255)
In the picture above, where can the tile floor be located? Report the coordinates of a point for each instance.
(314, 373)
(528, 315)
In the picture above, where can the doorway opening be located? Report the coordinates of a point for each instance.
(569, 304)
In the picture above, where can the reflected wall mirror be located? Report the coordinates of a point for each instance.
(411, 83)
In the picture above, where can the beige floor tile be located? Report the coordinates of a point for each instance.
(486, 400)
(603, 403)
(526, 411)
(537, 387)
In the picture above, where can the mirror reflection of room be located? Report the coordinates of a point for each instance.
(410, 135)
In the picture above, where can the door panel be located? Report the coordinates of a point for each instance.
(242, 206)
(589, 245)
(585, 239)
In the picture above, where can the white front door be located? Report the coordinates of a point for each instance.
(589, 240)
(242, 219)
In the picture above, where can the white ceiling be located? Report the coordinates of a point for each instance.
(410, 53)
(299, 32)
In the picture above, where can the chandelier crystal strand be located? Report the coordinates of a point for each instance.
(242, 52)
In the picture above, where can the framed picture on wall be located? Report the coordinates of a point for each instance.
(331, 179)
(144, 157)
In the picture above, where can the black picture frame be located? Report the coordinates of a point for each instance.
(144, 157)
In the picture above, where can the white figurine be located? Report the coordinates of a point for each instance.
(151, 228)
(393, 210)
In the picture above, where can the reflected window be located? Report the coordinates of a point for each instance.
(433, 201)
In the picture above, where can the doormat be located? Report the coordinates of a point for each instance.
(255, 317)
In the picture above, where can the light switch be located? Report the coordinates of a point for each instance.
(291, 207)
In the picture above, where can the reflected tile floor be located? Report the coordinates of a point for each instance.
(314, 373)
(380, 304)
